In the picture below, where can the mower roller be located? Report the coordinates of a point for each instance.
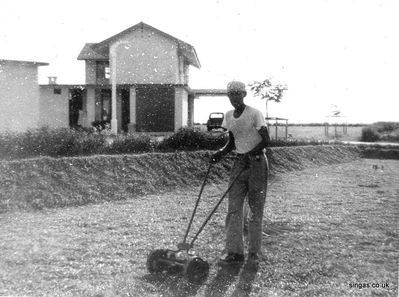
(183, 259)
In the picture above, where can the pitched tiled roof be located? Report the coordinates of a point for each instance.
(24, 62)
(100, 51)
(88, 53)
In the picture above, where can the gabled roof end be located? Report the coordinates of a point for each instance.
(99, 51)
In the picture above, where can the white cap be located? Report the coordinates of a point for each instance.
(236, 86)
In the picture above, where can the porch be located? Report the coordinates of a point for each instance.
(156, 109)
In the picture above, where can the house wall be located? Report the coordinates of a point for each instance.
(90, 72)
(54, 108)
(144, 57)
(19, 96)
(186, 74)
(183, 70)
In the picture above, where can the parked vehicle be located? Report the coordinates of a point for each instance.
(215, 121)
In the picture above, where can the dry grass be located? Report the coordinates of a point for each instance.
(325, 228)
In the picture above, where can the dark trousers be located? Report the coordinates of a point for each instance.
(252, 183)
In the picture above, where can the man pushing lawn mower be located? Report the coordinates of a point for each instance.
(249, 136)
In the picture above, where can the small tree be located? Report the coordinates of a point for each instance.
(267, 90)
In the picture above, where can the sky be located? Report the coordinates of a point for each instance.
(332, 54)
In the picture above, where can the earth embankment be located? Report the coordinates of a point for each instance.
(59, 182)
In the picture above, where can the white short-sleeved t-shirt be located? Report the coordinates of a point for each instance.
(245, 128)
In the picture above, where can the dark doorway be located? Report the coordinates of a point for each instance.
(75, 105)
(125, 94)
(155, 109)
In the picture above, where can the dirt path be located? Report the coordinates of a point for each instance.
(329, 231)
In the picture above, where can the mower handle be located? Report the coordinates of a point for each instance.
(216, 207)
(183, 244)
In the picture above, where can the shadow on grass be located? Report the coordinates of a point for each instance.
(227, 275)
(247, 277)
(172, 285)
(175, 285)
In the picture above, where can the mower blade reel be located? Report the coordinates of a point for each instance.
(196, 270)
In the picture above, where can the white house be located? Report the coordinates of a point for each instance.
(136, 80)
(19, 95)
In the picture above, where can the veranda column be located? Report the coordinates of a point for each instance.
(132, 124)
(190, 121)
(114, 121)
(180, 108)
(91, 106)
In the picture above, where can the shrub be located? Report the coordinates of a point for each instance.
(369, 135)
(385, 127)
(193, 139)
(70, 142)
(392, 136)
(130, 143)
(50, 142)
(61, 142)
(89, 143)
(56, 143)
(40, 142)
(9, 144)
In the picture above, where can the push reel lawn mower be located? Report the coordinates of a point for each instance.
(183, 260)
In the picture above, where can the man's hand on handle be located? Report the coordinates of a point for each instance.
(216, 157)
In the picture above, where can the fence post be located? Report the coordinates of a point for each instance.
(286, 129)
(326, 129)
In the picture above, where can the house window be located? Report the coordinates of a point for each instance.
(107, 71)
(57, 91)
(103, 70)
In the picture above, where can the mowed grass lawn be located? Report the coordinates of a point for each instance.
(329, 231)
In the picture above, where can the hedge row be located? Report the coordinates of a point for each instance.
(70, 142)
(381, 131)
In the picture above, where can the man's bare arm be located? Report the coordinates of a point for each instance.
(264, 133)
